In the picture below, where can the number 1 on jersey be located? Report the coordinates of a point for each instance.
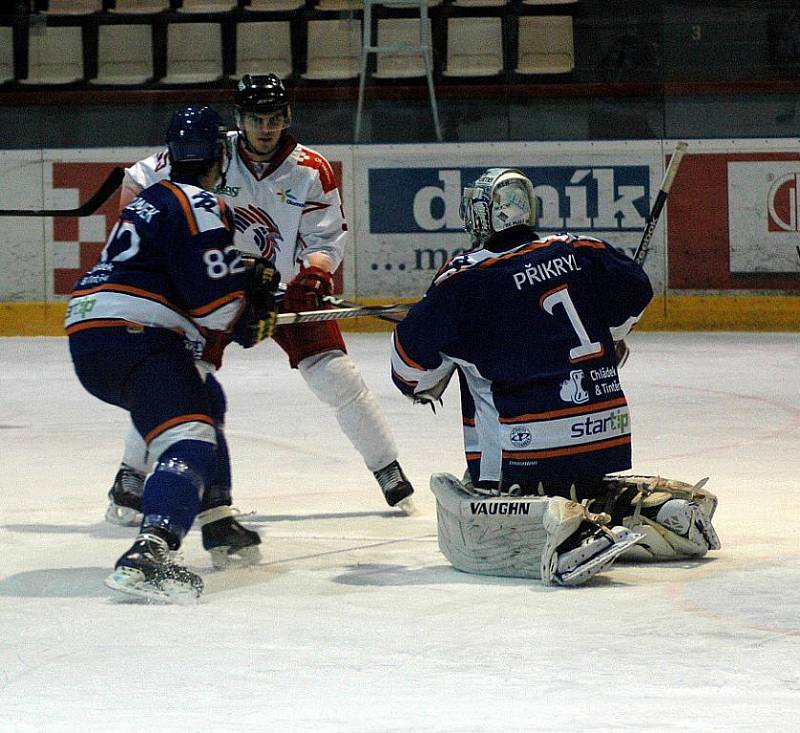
(587, 348)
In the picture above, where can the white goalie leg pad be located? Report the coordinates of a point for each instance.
(335, 380)
(520, 536)
(681, 528)
(502, 536)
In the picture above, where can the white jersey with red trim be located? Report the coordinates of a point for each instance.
(283, 210)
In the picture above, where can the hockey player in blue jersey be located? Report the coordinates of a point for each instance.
(529, 324)
(147, 327)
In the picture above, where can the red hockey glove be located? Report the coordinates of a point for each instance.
(306, 291)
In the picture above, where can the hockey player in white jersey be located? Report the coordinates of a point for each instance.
(287, 208)
(528, 323)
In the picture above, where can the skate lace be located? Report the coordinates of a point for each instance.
(131, 481)
(157, 547)
(389, 476)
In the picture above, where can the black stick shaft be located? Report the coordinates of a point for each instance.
(658, 205)
(88, 208)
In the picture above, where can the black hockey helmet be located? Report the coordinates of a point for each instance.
(261, 99)
(261, 93)
(195, 134)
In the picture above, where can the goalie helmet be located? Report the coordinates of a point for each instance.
(262, 95)
(501, 198)
(195, 134)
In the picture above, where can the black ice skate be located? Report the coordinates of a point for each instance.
(229, 543)
(396, 487)
(148, 571)
(125, 498)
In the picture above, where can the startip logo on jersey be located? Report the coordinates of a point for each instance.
(597, 200)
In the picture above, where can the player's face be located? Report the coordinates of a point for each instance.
(263, 131)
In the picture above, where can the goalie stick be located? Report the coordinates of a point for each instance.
(88, 208)
(621, 349)
(658, 204)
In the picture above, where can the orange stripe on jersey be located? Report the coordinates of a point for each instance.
(405, 357)
(558, 452)
(218, 303)
(128, 290)
(580, 410)
(185, 205)
(588, 243)
(549, 293)
(472, 456)
(517, 253)
(408, 382)
(101, 323)
(172, 422)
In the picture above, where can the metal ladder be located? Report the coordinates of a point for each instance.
(424, 49)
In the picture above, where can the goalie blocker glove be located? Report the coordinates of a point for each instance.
(259, 319)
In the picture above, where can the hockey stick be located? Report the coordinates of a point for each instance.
(394, 315)
(102, 195)
(621, 349)
(337, 314)
(658, 204)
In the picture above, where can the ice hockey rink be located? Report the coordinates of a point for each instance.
(354, 622)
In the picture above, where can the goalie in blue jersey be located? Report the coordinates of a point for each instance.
(147, 327)
(528, 324)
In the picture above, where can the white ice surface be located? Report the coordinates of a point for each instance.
(354, 622)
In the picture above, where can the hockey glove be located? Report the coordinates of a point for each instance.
(258, 320)
(307, 290)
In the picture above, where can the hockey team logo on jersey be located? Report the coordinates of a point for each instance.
(572, 389)
(257, 229)
(590, 199)
(520, 436)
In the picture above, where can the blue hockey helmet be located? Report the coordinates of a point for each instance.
(499, 199)
(195, 134)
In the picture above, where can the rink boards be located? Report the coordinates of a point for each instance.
(731, 226)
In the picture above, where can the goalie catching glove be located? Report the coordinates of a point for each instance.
(260, 316)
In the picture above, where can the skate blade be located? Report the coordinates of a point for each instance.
(599, 562)
(406, 506)
(223, 558)
(131, 582)
(123, 516)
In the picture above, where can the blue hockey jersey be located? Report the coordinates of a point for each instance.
(169, 263)
(530, 331)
